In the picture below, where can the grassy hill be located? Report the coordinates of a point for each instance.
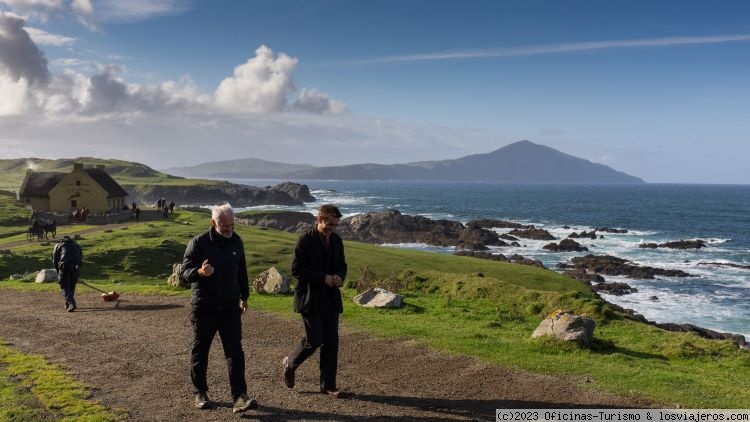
(459, 305)
(12, 171)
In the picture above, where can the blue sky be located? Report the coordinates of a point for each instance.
(658, 89)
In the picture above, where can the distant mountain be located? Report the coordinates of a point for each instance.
(523, 162)
(247, 168)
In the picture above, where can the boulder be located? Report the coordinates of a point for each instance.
(534, 234)
(271, 281)
(175, 279)
(567, 326)
(610, 265)
(565, 245)
(46, 276)
(583, 234)
(379, 298)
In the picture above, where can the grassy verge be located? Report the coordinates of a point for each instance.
(33, 389)
(460, 305)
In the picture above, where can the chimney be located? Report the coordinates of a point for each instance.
(100, 166)
(77, 166)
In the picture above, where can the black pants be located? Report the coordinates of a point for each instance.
(67, 276)
(206, 322)
(321, 330)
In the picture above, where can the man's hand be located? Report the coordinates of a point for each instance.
(206, 269)
(243, 306)
(329, 280)
(337, 281)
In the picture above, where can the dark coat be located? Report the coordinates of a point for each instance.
(311, 262)
(67, 253)
(228, 284)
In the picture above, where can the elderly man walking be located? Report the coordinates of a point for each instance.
(214, 264)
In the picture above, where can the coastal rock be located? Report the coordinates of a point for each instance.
(726, 264)
(610, 230)
(295, 190)
(237, 195)
(678, 244)
(565, 245)
(393, 227)
(379, 298)
(704, 332)
(610, 265)
(585, 277)
(567, 326)
(271, 281)
(290, 221)
(520, 259)
(534, 234)
(506, 236)
(583, 234)
(614, 288)
(46, 276)
(501, 224)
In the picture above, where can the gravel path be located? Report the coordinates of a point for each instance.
(134, 354)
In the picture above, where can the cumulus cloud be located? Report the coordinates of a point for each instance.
(20, 58)
(45, 38)
(261, 85)
(314, 101)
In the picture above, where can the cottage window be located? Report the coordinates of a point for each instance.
(78, 183)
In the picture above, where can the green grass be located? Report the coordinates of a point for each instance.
(461, 305)
(31, 388)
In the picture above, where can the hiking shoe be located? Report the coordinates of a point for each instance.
(243, 403)
(70, 308)
(288, 373)
(202, 401)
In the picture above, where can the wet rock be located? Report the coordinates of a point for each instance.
(534, 234)
(610, 265)
(679, 244)
(565, 245)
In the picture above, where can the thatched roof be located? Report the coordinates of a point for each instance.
(107, 182)
(38, 184)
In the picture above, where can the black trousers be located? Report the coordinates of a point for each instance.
(67, 276)
(206, 322)
(321, 331)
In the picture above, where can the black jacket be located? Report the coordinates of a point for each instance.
(311, 262)
(67, 253)
(228, 284)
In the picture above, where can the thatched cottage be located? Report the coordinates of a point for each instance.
(92, 188)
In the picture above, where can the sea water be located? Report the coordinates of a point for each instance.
(718, 297)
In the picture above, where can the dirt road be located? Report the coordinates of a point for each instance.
(135, 356)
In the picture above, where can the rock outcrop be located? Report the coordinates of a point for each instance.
(583, 234)
(295, 190)
(567, 327)
(379, 298)
(615, 288)
(515, 258)
(678, 244)
(565, 245)
(393, 227)
(237, 195)
(500, 224)
(534, 234)
(704, 332)
(610, 265)
(271, 281)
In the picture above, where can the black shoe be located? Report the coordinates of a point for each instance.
(334, 392)
(242, 403)
(70, 308)
(202, 401)
(288, 373)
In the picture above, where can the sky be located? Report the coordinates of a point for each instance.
(657, 89)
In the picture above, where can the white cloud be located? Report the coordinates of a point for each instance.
(314, 101)
(261, 85)
(137, 10)
(20, 58)
(45, 38)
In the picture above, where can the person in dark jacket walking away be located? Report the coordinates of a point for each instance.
(67, 257)
(214, 264)
(320, 268)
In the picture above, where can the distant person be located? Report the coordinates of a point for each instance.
(76, 215)
(171, 207)
(133, 208)
(67, 257)
(84, 214)
(214, 264)
(137, 212)
(320, 268)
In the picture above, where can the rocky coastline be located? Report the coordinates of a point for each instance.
(287, 193)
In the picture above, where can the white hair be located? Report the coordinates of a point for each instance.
(223, 209)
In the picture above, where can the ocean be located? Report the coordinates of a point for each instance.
(718, 297)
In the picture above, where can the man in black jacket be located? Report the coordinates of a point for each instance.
(320, 268)
(214, 264)
(67, 257)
